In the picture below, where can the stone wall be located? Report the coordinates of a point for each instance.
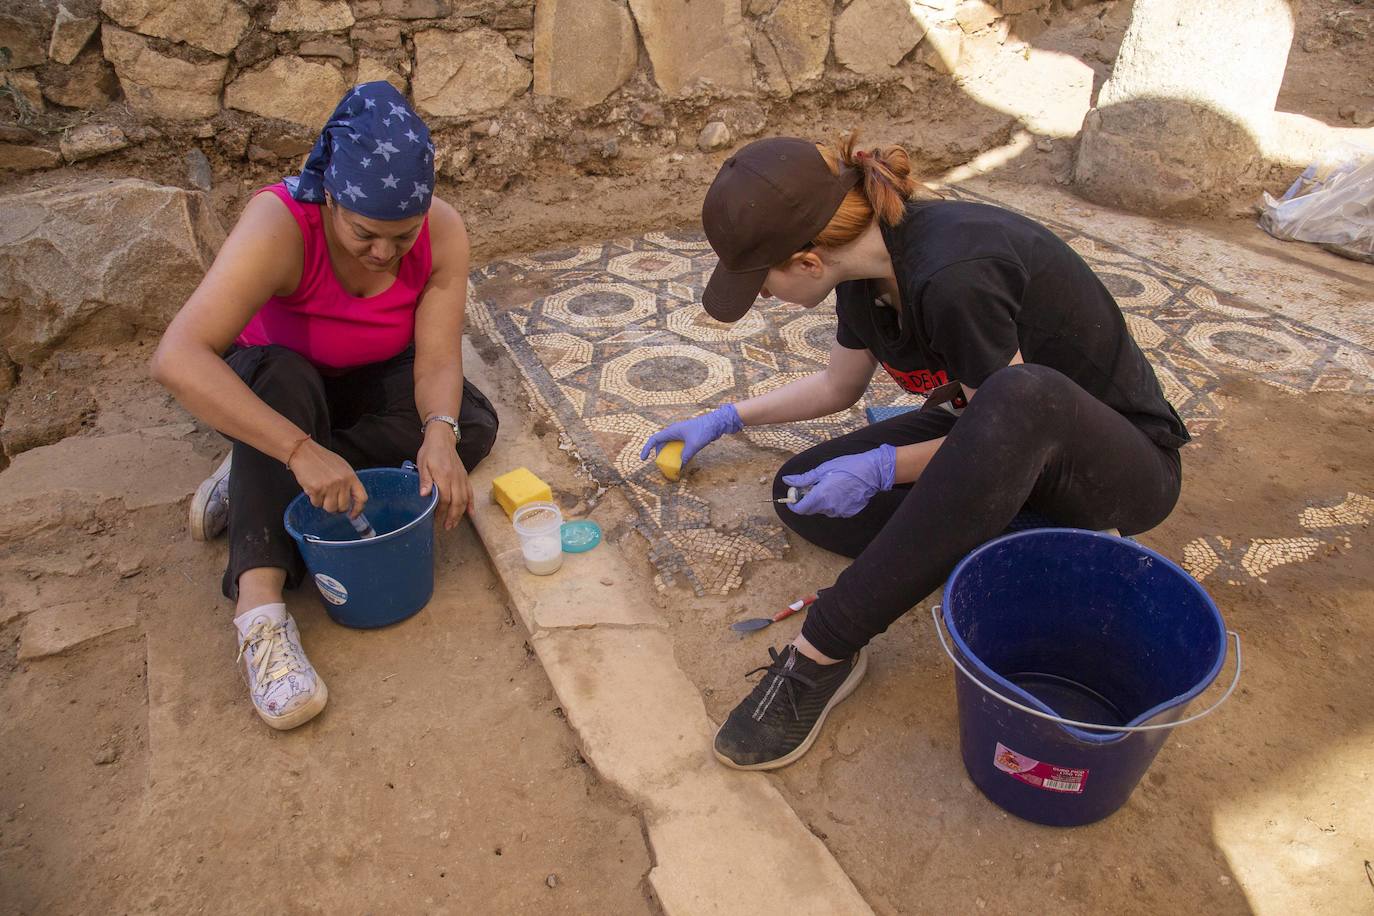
(499, 81)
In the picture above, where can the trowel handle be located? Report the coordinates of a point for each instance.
(793, 608)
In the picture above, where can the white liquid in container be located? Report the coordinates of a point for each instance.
(539, 528)
(543, 556)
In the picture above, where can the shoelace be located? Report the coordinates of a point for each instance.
(274, 660)
(787, 676)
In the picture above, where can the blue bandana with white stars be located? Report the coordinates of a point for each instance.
(374, 156)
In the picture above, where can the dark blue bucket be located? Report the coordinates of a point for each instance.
(381, 580)
(1077, 653)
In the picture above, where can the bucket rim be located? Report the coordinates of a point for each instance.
(302, 538)
(1176, 703)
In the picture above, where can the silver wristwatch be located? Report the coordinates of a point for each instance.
(448, 421)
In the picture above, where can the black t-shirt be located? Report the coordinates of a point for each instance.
(978, 283)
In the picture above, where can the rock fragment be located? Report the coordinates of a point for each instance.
(310, 16)
(91, 140)
(21, 157)
(198, 172)
(70, 33)
(214, 25)
(289, 89)
(460, 74)
(713, 136)
(583, 49)
(161, 86)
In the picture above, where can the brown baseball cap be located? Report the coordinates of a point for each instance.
(768, 201)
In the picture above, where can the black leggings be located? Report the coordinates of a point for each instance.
(367, 416)
(1030, 438)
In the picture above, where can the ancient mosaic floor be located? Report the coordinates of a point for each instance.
(615, 344)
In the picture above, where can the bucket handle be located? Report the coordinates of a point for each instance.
(1060, 720)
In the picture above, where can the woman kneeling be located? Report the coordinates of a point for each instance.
(1037, 397)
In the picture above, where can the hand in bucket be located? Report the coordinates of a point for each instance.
(327, 479)
(440, 466)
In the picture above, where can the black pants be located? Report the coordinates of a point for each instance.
(367, 416)
(1029, 438)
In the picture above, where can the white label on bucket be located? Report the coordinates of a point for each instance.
(332, 589)
(1041, 775)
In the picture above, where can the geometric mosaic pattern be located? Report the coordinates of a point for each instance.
(1190, 331)
(1232, 561)
(617, 346)
(612, 344)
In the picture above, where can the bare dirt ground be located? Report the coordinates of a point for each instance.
(134, 776)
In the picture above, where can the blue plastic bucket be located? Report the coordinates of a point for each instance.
(381, 580)
(1077, 652)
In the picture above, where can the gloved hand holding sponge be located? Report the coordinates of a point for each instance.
(839, 488)
(694, 434)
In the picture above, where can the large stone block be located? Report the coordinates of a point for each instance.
(975, 15)
(70, 33)
(372, 70)
(1189, 109)
(88, 83)
(1228, 57)
(21, 157)
(583, 49)
(68, 277)
(24, 38)
(942, 47)
(215, 25)
(1163, 157)
(695, 41)
(91, 140)
(467, 73)
(798, 34)
(289, 88)
(872, 36)
(158, 85)
(311, 16)
(416, 9)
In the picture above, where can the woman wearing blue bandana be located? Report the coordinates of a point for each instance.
(326, 337)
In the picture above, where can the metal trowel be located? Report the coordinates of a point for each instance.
(758, 623)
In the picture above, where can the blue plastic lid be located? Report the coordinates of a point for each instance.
(580, 536)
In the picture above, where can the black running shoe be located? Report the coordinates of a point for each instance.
(780, 719)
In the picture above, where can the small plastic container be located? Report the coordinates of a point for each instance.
(539, 526)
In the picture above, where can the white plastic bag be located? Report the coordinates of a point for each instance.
(1331, 204)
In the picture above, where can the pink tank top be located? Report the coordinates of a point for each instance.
(325, 323)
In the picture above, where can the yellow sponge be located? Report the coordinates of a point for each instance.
(515, 488)
(669, 460)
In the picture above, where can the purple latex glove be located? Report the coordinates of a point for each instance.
(842, 486)
(696, 433)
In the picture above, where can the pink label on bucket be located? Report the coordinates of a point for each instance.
(1041, 775)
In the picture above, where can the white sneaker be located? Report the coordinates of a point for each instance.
(210, 505)
(285, 689)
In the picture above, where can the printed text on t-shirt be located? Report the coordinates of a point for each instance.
(918, 381)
